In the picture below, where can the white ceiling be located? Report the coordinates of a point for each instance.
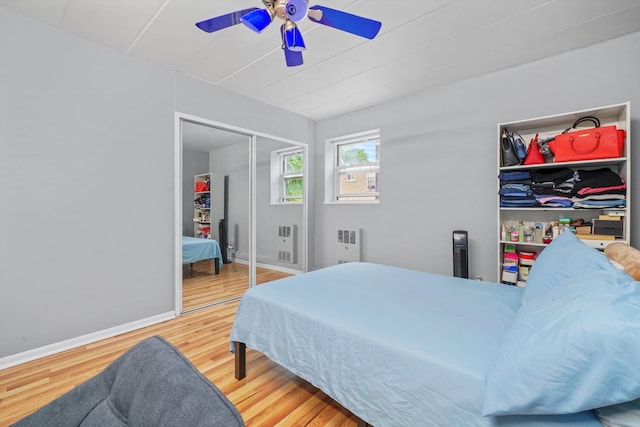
(422, 44)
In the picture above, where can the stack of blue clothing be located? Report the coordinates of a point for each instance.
(515, 190)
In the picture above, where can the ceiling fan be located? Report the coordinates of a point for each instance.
(292, 11)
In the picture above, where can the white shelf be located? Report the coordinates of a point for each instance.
(546, 126)
(590, 163)
(508, 242)
(198, 224)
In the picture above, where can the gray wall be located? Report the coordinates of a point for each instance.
(233, 161)
(439, 151)
(86, 187)
(203, 100)
(194, 162)
(86, 181)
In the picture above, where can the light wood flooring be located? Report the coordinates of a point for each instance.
(269, 395)
(200, 286)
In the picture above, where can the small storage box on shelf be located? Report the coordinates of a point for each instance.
(519, 227)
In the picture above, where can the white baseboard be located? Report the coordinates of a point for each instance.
(269, 266)
(47, 350)
(279, 268)
(240, 260)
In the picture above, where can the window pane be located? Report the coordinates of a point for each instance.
(358, 186)
(293, 163)
(293, 189)
(358, 153)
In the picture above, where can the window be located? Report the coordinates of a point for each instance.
(287, 176)
(352, 166)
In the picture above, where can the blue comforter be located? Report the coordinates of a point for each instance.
(195, 249)
(396, 347)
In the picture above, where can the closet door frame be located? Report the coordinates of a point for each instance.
(253, 135)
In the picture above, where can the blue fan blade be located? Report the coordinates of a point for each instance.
(354, 24)
(294, 40)
(292, 58)
(224, 21)
(257, 20)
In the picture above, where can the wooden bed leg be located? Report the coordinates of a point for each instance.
(216, 265)
(240, 350)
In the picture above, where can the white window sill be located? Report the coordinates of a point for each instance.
(353, 202)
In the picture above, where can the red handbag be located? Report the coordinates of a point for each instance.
(534, 156)
(201, 186)
(588, 144)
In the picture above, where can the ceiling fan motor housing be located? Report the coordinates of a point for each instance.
(294, 10)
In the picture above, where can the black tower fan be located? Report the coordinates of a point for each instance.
(460, 254)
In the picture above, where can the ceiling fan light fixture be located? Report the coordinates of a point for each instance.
(293, 58)
(293, 39)
(257, 20)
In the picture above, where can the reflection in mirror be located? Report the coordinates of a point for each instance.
(279, 213)
(245, 193)
(215, 214)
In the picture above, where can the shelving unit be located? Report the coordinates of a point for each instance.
(618, 115)
(202, 206)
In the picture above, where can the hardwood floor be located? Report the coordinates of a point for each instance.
(200, 286)
(269, 395)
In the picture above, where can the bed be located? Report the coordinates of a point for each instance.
(402, 347)
(195, 249)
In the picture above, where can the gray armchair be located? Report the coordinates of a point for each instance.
(152, 384)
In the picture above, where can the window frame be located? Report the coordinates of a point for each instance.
(333, 169)
(279, 176)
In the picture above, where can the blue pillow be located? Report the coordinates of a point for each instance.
(565, 258)
(571, 349)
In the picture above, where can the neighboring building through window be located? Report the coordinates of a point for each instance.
(287, 177)
(354, 168)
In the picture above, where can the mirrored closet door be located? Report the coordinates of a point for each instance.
(215, 214)
(243, 210)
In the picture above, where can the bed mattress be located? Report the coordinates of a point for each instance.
(394, 346)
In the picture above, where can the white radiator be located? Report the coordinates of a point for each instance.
(348, 246)
(286, 243)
